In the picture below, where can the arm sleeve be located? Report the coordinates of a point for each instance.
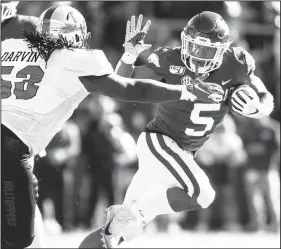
(137, 90)
(248, 76)
(86, 62)
(27, 23)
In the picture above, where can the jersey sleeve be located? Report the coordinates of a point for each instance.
(158, 61)
(246, 61)
(248, 68)
(28, 22)
(86, 62)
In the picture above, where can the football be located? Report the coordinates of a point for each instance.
(249, 92)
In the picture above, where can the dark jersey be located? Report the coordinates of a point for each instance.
(12, 28)
(191, 123)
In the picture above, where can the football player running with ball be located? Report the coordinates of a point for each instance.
(168, 179)
(44, 78)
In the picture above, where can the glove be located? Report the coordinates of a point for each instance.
(134, 39)
(244, 105)
(205, 91)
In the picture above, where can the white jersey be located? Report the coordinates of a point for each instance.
(38, 97)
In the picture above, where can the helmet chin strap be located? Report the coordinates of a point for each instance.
(196, 70)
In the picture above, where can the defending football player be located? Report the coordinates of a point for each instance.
(44, 78)
(168, 179)
(12, 26)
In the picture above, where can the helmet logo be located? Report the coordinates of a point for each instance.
(222, 34)
(71, 15)
(224, 29)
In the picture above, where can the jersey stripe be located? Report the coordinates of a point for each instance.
(164, 161)
(181, 162)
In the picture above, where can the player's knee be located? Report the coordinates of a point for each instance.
(179, 200)
(19, 242)
(207, 196)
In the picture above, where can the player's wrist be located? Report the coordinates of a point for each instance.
(266, 104)
(129, 58)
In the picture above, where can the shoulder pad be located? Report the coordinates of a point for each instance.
(86, 62)
(14, 44)
(33, 20)
(158, 57)
(177, 48)
(162, 50)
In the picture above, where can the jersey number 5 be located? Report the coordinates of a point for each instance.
(197, 119)
(26, 89)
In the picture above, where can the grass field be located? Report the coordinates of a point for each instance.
(179, 240)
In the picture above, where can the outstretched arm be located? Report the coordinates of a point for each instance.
(151, 91)
(135, 90)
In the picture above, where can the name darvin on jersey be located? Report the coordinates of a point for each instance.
(20, 56)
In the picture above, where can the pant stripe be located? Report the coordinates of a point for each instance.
(164, 161)
(183, 165)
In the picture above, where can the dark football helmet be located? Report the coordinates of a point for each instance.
(205, 39)
(8, 9)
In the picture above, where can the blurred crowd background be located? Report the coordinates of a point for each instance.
(90, 163)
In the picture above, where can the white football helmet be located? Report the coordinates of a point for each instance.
(66, 21)
(8, 9)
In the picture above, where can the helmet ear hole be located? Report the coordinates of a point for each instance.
(77, 38)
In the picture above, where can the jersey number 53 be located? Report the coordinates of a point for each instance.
(24, 89)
